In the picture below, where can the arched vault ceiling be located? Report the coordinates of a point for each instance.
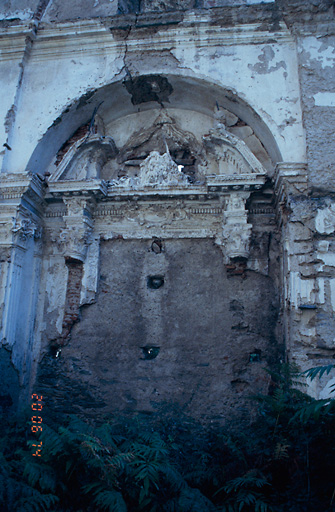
(139, 94)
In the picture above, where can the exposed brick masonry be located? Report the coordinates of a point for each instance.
(72, 301)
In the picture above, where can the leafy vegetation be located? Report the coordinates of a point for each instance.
(284, 461)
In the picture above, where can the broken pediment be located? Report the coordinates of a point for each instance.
(229, 155)
(85, 159)
(184, 148)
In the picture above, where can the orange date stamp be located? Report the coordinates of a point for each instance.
(36, 422)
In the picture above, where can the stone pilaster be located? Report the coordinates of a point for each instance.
(21, 211)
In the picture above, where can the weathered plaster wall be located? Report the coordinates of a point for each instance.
(18, 9)
(107, 53)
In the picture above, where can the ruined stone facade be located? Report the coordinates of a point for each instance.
(167, 215)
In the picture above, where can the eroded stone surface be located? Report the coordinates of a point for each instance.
(205, 323)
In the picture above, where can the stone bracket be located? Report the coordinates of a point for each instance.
(78, 227)
(236, 232)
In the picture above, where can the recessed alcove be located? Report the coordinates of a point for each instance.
(193, 109)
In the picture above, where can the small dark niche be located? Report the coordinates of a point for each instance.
(157, 246)
(55, 351)
(255, 356)
(155, 282)
(150, 352)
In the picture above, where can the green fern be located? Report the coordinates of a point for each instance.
(35, 472)
(250, 479)
(104, 498)
(192, 500)
(318, 371)
(246, 493)
(234, 446)
(281, 450)
(35, 502)
(53, 444)
(314, 410)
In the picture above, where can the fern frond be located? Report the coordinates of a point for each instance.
(37, 502)
(234, 448)
(146, 470)
(53, 445)
(192, 500)
(250, 479)
(173, 477)
(117, 462)
(246, 500)
(281, 451)
(111, 501)
(107, 437)
(77, 425)
(318, 371)
(314, 410)
(39, 473)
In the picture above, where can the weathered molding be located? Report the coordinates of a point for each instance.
(61, 40)
(21, 207)
(93, 188)
(290, 179)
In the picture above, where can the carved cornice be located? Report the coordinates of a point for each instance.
(290, 179)
(13, 42)
(89, 188)
(232, 151)
(63, 40)
(13, 186)
(227, 183)
(218, 183)
(109, 210)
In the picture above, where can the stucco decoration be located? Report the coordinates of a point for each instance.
(236, 231)
(162, 170)
(75, 237)
(227, 154)
(85, 158)
(26, 228)
(156, 170)
(183, 147)
(325, 220)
